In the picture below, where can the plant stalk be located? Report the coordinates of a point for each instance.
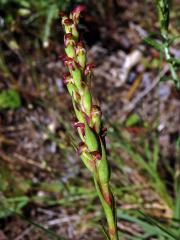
(88, 123)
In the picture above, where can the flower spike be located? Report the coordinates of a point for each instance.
(91, 149)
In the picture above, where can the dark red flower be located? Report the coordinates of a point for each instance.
(68, 39)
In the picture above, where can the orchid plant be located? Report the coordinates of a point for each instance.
(88, 123)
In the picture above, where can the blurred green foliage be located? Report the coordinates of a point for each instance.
(166, 39)
(9, 98)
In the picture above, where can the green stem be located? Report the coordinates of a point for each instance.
(108, 209)
(171, 67)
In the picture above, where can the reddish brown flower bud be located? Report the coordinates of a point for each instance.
(76, 12)
(68, 39)
(69, 25)
(80, 47)
(81, 54)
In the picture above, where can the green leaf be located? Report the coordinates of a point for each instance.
(164, 231)
(51, 14)
(9, 99)
(133, 119)
(157, 45)
(15, 203)
(49, 232)
(102, 228)
(149, 225)
(174, 61)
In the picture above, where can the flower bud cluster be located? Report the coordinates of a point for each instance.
(78, 81)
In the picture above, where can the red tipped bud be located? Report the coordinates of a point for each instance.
(64, 18)
(80, 48)
(96, 117)
(76, 12)
(69, 41)
(69, 26)
(78, 9)
(68, 36)
(81, 54)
